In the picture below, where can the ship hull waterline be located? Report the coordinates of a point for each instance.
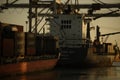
(27, 67)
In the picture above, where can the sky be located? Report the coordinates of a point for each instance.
(106, 24)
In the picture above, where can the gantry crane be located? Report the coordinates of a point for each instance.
(108, 34)
(98, 35)
(38, 9)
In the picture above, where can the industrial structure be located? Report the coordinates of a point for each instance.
(67, 23)
(38, 9)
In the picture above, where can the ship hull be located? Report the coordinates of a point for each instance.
(27, 66)
(73, 56)
(100, 59)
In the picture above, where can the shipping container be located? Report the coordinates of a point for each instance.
(30, 43)
(50, 45)
(31, 51)
(46, 45)
(11, 40)
(39, 45)
(54, 44)
(13, 45)
(7, 33)
(13, 27)
(19, 43)
(8, 47)
(17, 28)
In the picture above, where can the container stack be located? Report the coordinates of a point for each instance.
(19, 43)
(16, 44)
(49, 45)
(8, 47)
(11, 40)
(39, 45)
(30, 47)
(46, 45)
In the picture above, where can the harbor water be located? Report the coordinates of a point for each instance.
(101, 73)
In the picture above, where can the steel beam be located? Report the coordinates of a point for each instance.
(94, 15)
(110, 34)
(81, 6)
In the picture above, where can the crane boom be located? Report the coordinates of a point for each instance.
(110, 34)
(107, 35)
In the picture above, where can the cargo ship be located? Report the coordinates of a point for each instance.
(72, 30)
(102, 53)
(23, 52)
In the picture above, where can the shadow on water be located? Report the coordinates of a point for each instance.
(104, 73)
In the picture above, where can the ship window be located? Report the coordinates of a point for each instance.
(66, 24)
(62, 22)
(69, 26)
(69, 22)
(61, 26)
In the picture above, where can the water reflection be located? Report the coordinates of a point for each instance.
(112, 73)
(49, 75)
(88, 74)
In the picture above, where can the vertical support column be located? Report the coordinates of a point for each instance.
(36, 15)
(55, 8)
(7, 1)
(88, 30)
(98, 33)
(30, 15)
(88, 36)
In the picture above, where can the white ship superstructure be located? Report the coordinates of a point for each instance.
(71, 30)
